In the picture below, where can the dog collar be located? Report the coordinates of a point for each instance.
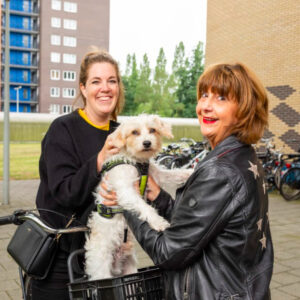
(113, 163)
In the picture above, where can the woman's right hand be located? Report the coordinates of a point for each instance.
(153, 189)
(107, 151)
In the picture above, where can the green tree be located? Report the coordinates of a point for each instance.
(130, 80)
(160, 87)
(187, 75)
(144, 91)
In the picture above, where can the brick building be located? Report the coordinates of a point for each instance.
(48, 39)
(265, 35)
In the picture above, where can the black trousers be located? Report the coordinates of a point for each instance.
(54, 287)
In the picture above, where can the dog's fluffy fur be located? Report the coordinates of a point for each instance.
(140, 139)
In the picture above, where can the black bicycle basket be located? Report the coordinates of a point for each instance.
(146, 284)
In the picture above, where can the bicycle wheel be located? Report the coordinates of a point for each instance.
(290, 184)
(165, 161)
(277, 177)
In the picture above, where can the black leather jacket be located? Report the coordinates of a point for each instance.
(219, 243)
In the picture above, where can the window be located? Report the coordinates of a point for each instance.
(70, 41)
(54, 108)
(69, 92)
(55, 74)
(56, 4)
(56, 22)
(25, 93)
(69, 75)
(54, 92)
(55, 40)
(69, 58)
(25, 39)
(67, 109)
(25, 76)
(70, 24)
(26, 5)
(70, 7)
(25, 23)
(25, 58)
(55, 57)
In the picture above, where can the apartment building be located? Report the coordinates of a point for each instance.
(47, 42)
(24, 35)
(265, 35)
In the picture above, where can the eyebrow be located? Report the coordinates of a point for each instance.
(111, 77)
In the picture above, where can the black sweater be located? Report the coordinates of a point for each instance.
(68, 168)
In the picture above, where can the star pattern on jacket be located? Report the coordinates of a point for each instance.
(263, 241)
(253, 169)
(259, 224)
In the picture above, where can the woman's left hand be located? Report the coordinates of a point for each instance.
(109, 196)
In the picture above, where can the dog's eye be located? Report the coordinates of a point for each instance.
(152, 130)
(135, 132)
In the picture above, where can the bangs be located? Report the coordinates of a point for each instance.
(220, 80)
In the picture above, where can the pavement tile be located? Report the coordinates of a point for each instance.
(292, 289)
(295, 272)
(291, 263)
(278, 295)
(285, 278)
(15, 294)
(4, 296)
(278, 268)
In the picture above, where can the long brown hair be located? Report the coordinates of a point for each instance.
(241, 84)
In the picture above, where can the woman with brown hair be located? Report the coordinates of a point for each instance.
(218, 245)
(73, 151)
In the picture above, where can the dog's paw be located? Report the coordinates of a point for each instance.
(160, 224)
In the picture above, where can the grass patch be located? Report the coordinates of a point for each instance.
(23, 162)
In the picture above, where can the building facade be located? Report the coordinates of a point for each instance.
(265, 35)
(47, 42)
(23, 75)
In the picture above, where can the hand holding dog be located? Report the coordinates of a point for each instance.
(111, 196)
(107, 151)
(153, 189)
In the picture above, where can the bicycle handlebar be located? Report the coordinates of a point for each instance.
(5, 220)
(20, 216)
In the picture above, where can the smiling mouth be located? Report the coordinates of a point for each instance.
(107, 98)
(209, 120)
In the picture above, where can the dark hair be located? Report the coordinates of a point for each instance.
(241, 84)
(99, 56)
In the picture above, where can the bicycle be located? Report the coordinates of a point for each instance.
(17, 218)
(147, 283)
(290, 182)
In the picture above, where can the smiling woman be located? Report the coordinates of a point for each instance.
(218, 245)
(73, 151)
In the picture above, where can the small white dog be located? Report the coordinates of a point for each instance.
(140, 139)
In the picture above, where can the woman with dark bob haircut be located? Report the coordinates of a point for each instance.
(218, 245)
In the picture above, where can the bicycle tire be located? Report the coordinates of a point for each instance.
(290, 184)
(277, 177)
(165, 161)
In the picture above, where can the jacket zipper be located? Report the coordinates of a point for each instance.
(186, 284)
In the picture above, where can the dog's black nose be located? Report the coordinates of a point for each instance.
(147, 144)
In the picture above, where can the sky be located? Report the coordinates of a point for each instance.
(145, 26)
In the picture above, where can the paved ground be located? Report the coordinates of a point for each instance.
(285, 227)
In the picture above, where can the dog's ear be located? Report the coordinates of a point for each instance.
(117, 137)
(164, 128)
